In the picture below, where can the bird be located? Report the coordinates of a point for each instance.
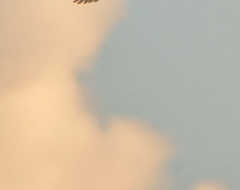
(84, 1)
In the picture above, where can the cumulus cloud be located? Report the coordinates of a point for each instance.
(49, 139)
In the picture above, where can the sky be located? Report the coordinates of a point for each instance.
(119, 95)
(175, 64)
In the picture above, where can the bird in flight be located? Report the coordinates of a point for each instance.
(84, 1)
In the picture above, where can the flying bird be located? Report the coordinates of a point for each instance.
(84, 1)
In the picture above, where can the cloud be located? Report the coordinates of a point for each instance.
(210, 185)
(49, 139)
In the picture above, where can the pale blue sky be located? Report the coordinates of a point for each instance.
(176, 64)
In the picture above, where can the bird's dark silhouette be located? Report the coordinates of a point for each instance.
(84, 1)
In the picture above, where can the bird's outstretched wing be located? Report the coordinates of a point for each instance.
(84, 1)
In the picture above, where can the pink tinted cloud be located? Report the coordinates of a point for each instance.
(50, 140)
(210, 185)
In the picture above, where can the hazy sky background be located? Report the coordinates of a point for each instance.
(176, 65)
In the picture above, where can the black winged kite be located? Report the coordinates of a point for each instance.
(84, 1)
